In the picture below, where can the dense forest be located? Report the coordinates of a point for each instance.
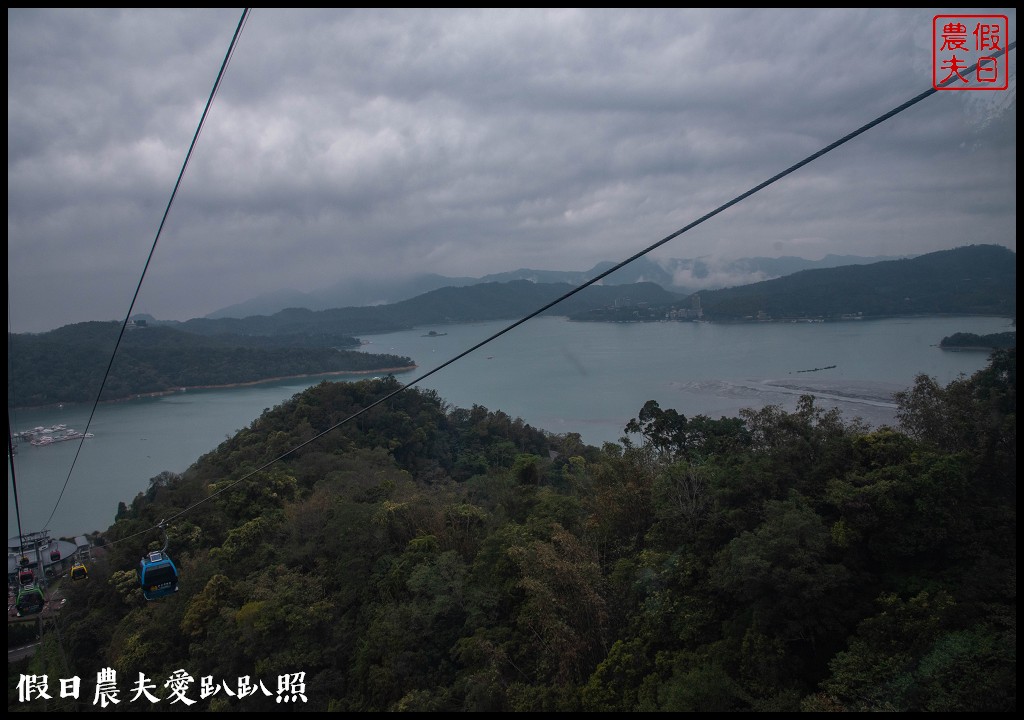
(427, 557)
(974, 341)
(66, 365)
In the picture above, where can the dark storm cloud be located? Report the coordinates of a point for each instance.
(349, 143)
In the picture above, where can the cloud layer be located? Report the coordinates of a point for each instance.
(379, 143)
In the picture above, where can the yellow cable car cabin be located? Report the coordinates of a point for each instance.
(79, 572)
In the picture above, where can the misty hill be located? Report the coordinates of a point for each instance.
(356, 292)
(683, 276)
(974, 280)
(474, 303)
(977, 279)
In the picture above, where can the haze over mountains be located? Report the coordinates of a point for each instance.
(162, 355)
(974, 279)
(683, 276)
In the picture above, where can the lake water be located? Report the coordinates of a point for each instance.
(590, 378)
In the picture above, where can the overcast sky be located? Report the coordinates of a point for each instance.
(371, 143)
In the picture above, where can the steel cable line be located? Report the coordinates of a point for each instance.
(14, 483)
(10, 436)
(721, 208)
(152, 250)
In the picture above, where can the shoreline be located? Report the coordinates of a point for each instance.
(248, 383)
(970, 348)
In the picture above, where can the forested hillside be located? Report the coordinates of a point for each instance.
(958, 341)
(68, 364)
(977, 279)
(424, 557)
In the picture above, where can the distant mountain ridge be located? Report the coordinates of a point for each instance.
(474, 303)
(971, 280)
(683, 276)
(157, 356)
(976, 279)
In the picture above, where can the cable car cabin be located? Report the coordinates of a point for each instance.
(158, 576)
(30, 601)
(54, 555)
(26, 577)
(25, 562)
(79, 571)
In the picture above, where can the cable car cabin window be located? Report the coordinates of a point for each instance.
(157, 576)
(160, 575)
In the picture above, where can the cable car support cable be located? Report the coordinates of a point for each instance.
(152, 250)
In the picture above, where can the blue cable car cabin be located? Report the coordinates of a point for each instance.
(30, 601)
(158, 576)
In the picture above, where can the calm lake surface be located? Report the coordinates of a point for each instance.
(561, 376)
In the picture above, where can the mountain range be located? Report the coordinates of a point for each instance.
(975, 279)
(56, 366)
(682, 276)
